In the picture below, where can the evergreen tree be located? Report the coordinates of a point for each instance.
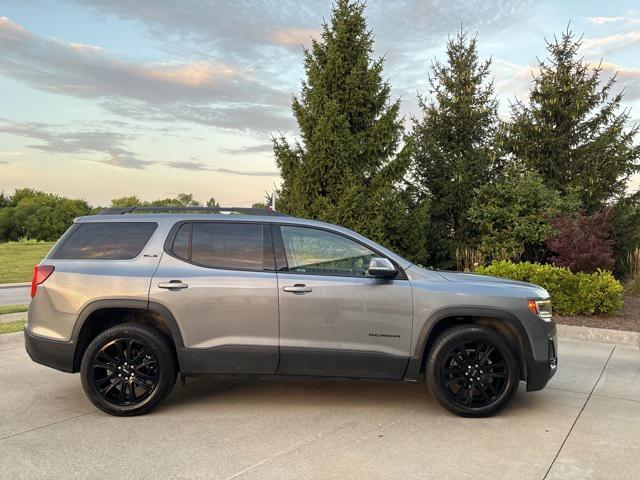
(454, 145)
(512, 215)
(346, 168)
(572, 131)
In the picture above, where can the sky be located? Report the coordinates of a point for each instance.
(105, 98)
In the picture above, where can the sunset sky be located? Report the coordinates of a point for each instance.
(106, 98)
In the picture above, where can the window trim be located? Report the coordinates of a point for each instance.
(77, 225)
(282, 265)
(268, 258)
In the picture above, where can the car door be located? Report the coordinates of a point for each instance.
(336, 320)
(217, 278)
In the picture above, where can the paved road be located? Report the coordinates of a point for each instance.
(586, 424)
(15, 295)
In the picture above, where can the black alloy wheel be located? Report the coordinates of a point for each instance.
(128, 369)
(125, 372)
(472, 371)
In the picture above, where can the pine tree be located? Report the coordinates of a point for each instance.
(346, 169)
(453, 145)
(572, 130)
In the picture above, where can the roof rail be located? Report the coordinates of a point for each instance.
(165, 209)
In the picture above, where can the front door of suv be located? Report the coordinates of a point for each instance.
(217, 278)
(336, 320)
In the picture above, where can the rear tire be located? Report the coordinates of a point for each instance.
(128, 369)
(472, 371)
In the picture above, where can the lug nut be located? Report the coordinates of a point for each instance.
(119, 374)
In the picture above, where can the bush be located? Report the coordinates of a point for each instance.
(572, 293)
(582, 243)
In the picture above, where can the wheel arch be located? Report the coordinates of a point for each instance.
(504, 322)
(102, 314)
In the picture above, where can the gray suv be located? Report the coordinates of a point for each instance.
(130, 299)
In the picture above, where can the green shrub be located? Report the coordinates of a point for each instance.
(572, 293)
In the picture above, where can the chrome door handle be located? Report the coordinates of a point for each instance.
(297, 288)
(173, 285)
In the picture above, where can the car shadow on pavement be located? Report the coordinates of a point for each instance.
(291, 392)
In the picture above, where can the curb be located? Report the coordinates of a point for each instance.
(600, 335)
(15, 285)
(11, 338)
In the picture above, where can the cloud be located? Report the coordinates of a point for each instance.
(196, 165)
(212, 91)
(610, 43)
(264, 36)
(262, 148)
(54, 139)
(627, 78)
(84, 71)
(248, 118)
(629, 20)
(234, 75)
(258, 25)
(4, 162)
(293, 36)
(515, 80)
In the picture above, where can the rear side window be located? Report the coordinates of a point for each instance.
(105, 241)
(181, 242)
(224, 245)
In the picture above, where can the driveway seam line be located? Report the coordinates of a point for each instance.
(290, 449)
(48, 425)
(579, 413)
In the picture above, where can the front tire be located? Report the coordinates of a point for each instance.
(128, 369)
(472, 371)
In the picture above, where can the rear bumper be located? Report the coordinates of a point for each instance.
(51, 353)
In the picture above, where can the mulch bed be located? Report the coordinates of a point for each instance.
(627, 319)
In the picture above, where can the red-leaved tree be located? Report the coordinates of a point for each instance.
(582, 242)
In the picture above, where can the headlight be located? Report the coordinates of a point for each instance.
(542, 308)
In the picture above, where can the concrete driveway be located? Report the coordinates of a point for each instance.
(586, 424)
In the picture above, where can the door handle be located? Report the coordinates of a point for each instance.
(297, 288)
(173, 285)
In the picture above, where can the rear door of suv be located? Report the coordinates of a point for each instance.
(218, 279)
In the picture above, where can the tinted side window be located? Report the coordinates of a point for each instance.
(181, 241)
(226, 245)
(105, 241)
(319, 252)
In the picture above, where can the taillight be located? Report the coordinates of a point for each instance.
(40, 274)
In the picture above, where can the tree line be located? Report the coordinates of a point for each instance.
(35, 215)
(462, 186)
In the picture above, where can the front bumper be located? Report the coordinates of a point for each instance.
(51, 353)
(540, 372)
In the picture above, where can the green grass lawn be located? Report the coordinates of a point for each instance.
(18, 258)
(12, 327)
(4, 309)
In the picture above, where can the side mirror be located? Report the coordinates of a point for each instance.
(381, 267)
